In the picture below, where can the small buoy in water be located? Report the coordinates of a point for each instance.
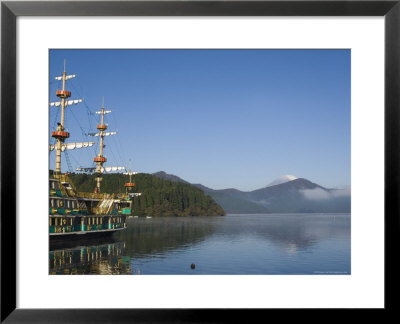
(192, 266)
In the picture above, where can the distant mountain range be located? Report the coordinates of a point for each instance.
(286, 194)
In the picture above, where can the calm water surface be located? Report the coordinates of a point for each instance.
(232, 244)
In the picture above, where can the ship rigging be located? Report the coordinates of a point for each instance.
(73, 213)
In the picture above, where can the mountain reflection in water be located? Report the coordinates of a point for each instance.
(232, 244)
(146, 237)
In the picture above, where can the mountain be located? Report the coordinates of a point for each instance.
(282, 179)
(170, 177)
(301, 196)
(232, 202)
(289, 194)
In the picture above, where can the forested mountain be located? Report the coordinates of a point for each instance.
(230, 205)
(166, 176)
(159, 197)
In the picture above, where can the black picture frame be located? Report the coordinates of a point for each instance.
(10, 10)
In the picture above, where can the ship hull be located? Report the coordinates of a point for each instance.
(83, 234)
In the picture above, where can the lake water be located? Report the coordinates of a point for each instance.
(232, 244)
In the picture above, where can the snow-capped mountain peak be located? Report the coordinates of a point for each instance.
(282, 179)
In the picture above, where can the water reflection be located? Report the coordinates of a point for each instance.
(147, 237)
(233, 244)
(88, 257)
(144, 238)
(291, 232)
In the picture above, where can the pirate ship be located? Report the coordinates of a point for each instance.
(75, 214)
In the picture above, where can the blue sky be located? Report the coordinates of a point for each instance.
(222, 118)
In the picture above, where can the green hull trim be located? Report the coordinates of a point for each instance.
(85, 228)
(57, 193)
(126, 211)
(65, 211)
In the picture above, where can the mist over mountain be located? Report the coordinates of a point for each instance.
(286, 194)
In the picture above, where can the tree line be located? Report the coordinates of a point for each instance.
(159, 197)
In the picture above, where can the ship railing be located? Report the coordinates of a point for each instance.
(91, 195)
(122, 196)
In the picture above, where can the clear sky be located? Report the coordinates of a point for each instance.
(222, 118)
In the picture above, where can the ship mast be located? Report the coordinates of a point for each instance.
(100, 159)
(61, 134)
(129, 185)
